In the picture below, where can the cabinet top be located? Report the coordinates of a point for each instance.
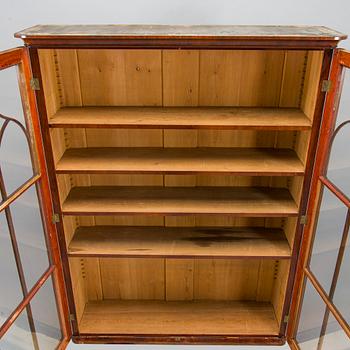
(178, 36)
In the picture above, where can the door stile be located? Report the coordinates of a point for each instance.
(314, 137)
(19, 58)
(340, 61)
(46, 200)
(60, 246)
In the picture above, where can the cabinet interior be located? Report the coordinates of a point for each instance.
(180, 175)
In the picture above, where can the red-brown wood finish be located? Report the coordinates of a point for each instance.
(61, 246)
(328, 124)
(46, 200)
(19, 57)
(314, 139)
(198, 42)
(178, 36)
(179, 339)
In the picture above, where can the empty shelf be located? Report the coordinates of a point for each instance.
(240, 201)
(242, 161)
(179, 242)
(182, 117)
(179, 317)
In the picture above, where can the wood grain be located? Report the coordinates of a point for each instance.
(241, 201)
(251, 161)
(178, 317)
(181, 242)
(181, 117)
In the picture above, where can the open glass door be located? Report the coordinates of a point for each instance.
(321, 299)
(33, 304)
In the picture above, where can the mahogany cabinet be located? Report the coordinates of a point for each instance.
(181, 174)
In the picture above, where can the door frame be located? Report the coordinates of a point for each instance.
(340, 61)
(19, 57)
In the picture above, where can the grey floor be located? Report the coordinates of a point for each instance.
(72, 346)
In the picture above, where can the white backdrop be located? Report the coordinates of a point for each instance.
(18, 14)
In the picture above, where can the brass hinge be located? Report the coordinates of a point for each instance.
(326, 85)
(303, 219)
(34, 84)
(286, 319)
(71, 317)
(55, 218)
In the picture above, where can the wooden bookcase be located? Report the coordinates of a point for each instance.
(180, 210)
(180, 169)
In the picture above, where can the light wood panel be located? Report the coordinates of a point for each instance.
(49, 81)
(147, 241)
(293, 78)
(243, 201)
(132, 278)
(181, 160)
(76, 267)
(178, 317)
(120, 77)
(179, 279)
(279, 290)
(225, 279)
(182, 117)
(68, 73)
(240, 77)
(312, 79)
(180, 77)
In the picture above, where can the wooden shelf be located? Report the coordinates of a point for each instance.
(178, 317)
(179, 242)
(242, 161)
(240, 201)
(181, 117)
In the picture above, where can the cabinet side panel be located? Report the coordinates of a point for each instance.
(49, 80)
(293, 78)
(76, 267)
(279, 289)
(312, 78)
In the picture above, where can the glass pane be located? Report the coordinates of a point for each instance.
(10, 97)
(15, 159)
(341, 297)
(19, 336)
(45, 314)
(344, 103)
(339, 162)
(10, 291)
(311, 318)
(30, 236)
(329, 231)
(335, 337)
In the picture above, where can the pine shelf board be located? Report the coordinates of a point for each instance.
(157, 200)
(241, 161)
(179, 317)
(182, 118)
(179, 242)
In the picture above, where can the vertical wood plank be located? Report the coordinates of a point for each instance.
(240, 77)
(225, 279)
(93, 279)
(69, 77)
(179, 279)
(128, 279)
(180, 77)
(265, 280)
(120, 77)
(312, 78)
(293, 77)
